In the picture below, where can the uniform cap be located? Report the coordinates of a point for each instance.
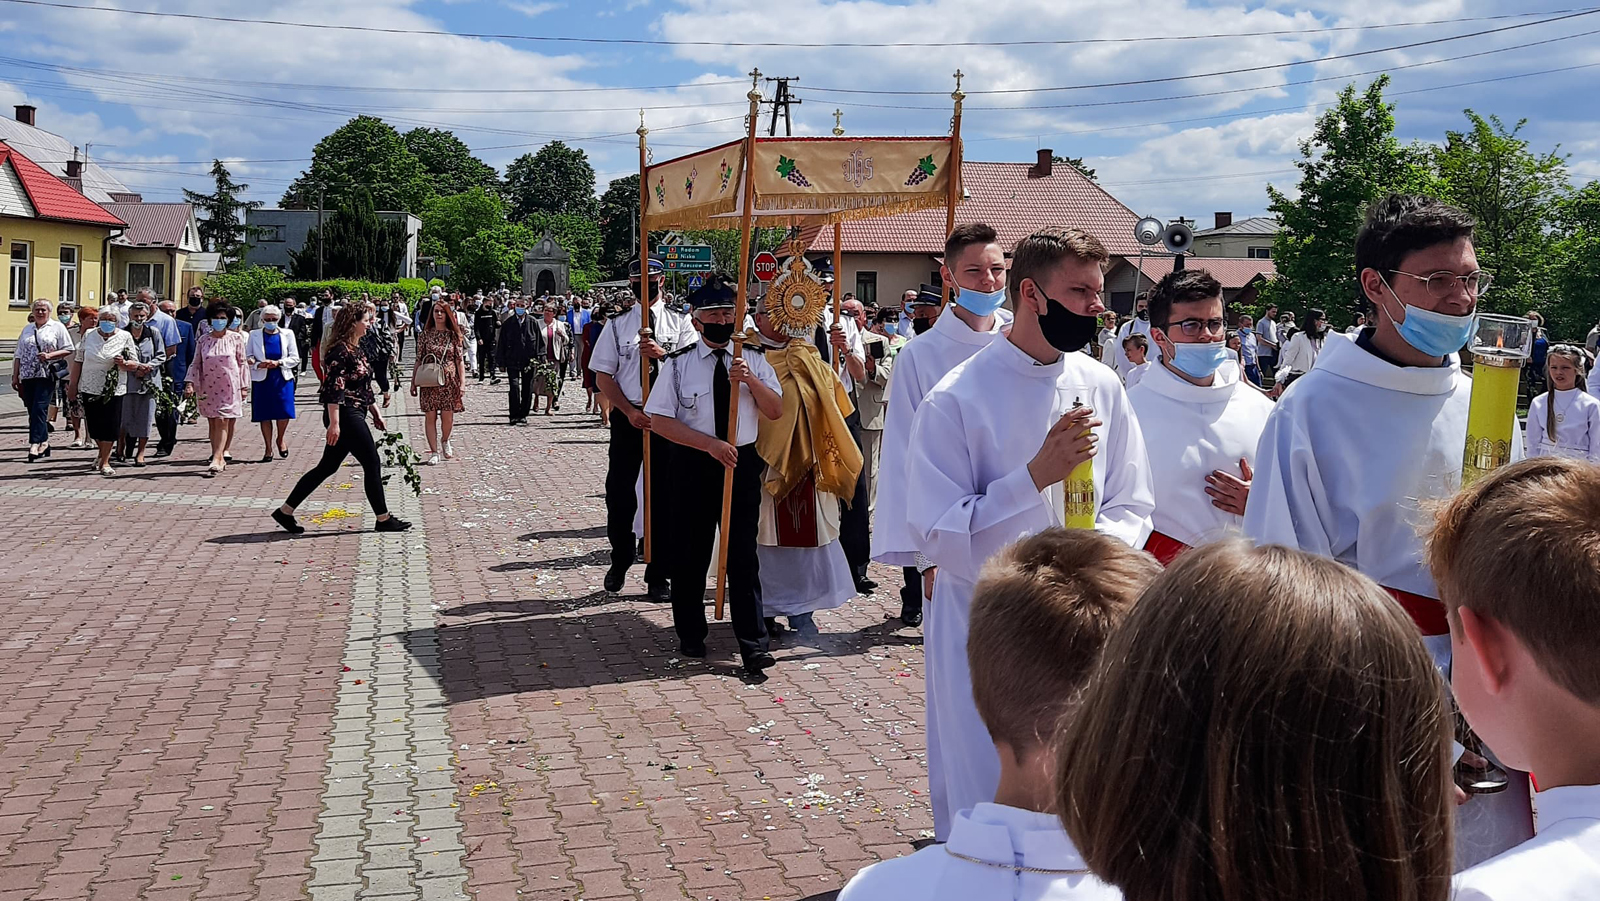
(927, 295)
(715, 294)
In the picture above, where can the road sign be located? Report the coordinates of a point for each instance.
(765, 266)
(695, 282)
(685, 257)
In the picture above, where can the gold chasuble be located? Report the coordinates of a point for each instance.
(808, 450)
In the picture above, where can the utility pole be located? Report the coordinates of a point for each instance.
(782, 98)
(319, 231)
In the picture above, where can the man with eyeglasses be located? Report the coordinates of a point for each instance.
(1201, 419)
(1353, 454)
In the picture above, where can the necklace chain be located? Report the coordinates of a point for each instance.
(1014, 867)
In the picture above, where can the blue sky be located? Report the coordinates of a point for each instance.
(158, 97)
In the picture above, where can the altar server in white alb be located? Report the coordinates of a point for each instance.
(1564, 421)
(1517, 556)
(975, 267)
(1043, 611)
(1201, 419)
(990, 447)
(1138, 325)
(1378, 429)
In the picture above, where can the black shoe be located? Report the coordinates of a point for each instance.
(754, 675)
(287, 521)
(163, 452)
(773, 626)
(661, 591)
(696, 650)
(760, 660)
(392, 524)
(865, 586)
(639, 551)
(808, 631)
(910, 617)
(614, 577)
(266, 457)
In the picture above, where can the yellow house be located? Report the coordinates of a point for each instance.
(54, 240)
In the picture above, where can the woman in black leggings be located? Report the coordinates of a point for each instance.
(346, 396)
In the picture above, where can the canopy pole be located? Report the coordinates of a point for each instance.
(954, 195)
(645, 331)
(838, 260)
(738, 321)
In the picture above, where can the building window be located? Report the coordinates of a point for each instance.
(935, 279)
(867, 288)
(1258, 253)
(269, 234)
(21, 257)
(147, 275)
(69, 274)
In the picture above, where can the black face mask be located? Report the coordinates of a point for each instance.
(1066, 331)
(1143, 314)
(194, 301)
(921, 325)
(717, 332)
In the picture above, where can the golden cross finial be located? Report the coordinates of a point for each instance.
(642, 130)
(755, 86)
(838, 130)
(958, 95)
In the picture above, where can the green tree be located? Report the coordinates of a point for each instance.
(223, 230)
(1489, 171)
(448, 162)
(1351, 159)
(244, 285)
(557, 179)
(492, 256)
(355, 243)
(448, 221)
(1077, 163)
(367, 155)
(1575, 264)
(619, 212)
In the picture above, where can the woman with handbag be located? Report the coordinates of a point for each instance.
(438, 375)
(144, 384)
(273, 354)
(40, 362)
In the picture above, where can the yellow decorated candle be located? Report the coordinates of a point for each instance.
(1077, 492)
(1500, 346)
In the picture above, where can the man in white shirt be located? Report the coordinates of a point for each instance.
(1138, 325)
(973, 260)
(690, 408)
(1350, 457)
(1267, 340)
(1031, 395)
(906, 299)
(615, 361)
(119, 308)
(1201, 420)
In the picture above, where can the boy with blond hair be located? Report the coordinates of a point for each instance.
(1517, 559)
(1041, 613)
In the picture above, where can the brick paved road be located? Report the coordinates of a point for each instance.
(183, 724)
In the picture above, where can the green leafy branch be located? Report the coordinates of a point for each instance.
(399, 454)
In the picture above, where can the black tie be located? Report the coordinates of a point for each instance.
(720, 393)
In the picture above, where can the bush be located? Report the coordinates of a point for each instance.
(244, 285)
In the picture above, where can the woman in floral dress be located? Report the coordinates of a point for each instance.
(441, 342)
(219, 374)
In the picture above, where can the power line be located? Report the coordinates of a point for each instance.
(1240, 71)
(818, 45)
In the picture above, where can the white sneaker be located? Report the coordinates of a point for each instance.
(433, 459)
(449, 451)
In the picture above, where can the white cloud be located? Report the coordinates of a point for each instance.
(532, 10)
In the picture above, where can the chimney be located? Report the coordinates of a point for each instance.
(1224, 220)
(75, 168)
(25, 113)
(1044, 166)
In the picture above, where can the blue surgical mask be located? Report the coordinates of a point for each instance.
(1435, 334)
(65, 317)
(234, 322)
(979, 303)
(1199, 361)
(269, 326)
(522, 311)
(107, 327)
(218, 325)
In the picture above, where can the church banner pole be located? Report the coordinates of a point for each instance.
(747, 208)
(953, 193)
(644, 319)
(838, 260)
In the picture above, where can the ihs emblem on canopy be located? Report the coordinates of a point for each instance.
(795, 301)
(857, 168)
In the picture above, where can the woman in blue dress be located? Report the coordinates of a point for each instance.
(273, 356)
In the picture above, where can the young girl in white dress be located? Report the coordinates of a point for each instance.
(1565, 420)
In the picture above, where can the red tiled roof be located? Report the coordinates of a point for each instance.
(1233, 272)
(51, 197)
(152, 224)
(1002, 195)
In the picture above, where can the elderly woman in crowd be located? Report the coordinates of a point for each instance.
(85, 320)
(273, 354)
(220, 370)
(144, 384)
(41, 352)
(98, 377)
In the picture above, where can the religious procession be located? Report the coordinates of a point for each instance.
(1331, 622)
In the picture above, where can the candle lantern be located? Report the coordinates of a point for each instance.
(1500, 346)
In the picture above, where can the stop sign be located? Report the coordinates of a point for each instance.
(765, 266)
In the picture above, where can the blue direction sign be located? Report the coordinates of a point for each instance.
(695, 282)
(685, 257)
